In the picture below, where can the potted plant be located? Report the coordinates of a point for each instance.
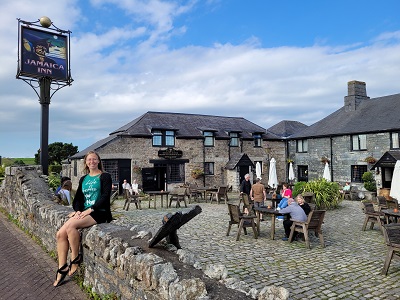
(197, 172)
(137, 169)
(324, 160)
(369, 185)
(370, 159)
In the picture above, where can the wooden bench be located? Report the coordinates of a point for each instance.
(178, 195)
(129, 198)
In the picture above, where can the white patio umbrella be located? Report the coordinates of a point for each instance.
(272, 178)
(327, 172)
(258, 170)
(291, 172)
(395, 187)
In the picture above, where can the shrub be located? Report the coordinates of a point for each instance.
(298, 188)
(369, 181)
(55, 169)
(54, 181)
(327, 194)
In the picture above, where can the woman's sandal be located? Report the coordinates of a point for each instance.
(63, 271)
(76, 261)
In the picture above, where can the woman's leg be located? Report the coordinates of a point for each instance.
(62, 252)
(74, 237)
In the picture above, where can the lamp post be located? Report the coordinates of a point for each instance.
(43, 59)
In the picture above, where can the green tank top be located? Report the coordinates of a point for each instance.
(91, 190)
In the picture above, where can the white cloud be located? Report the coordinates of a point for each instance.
(118, 75)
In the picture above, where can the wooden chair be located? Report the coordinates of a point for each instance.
(381, 203)
(221, 194)
(194, 193)
(392, 238)
(243, 221)
(178, 195)
(314, 222)
(392, 203)
(372, 216)
(309, 197)
(129, 198)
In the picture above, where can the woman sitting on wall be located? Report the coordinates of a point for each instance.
(92, 206)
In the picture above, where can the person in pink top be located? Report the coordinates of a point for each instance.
(286, 193)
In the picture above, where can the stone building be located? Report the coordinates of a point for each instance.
(352, 139)
(161, 150)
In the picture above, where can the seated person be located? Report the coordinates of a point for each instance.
(126, 185)
(135, 187)
(286, 193)
(346, 188)
(304, 205)
(65, 192)
(296, 213)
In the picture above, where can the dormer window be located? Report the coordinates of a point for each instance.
(163, 138)
(234, 142)
(257, 140)
(208, 138)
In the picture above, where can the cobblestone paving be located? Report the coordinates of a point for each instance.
(347, 268)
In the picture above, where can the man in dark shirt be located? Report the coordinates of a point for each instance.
(245, 186)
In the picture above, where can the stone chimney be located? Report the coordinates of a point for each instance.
(356, 92)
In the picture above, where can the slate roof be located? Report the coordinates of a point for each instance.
(190, 125)
(370, 116)
(388, 159)
(286, 128)
(185, 125)
(239, 159)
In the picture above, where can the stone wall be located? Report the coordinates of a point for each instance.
(114, 257)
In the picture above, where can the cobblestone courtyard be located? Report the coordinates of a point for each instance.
(347, 268)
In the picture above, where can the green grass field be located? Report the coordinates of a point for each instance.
(6, 161)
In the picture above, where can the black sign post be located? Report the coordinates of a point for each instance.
(43, 58)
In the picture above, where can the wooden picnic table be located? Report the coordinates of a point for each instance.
(158, 193)
(267, 211)
(206, 190)
(391, 213)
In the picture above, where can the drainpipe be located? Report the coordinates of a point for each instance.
(331, 148)
(204, 162)
(286, 142)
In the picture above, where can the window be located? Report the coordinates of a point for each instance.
(208, 138)
(302, 173)
(359, 142)
(111, 166)
(394, 140)
(257, 140)
(302, 145)
(163, 138)
(176, 173)
(209, 168)
(357, 173)
(234, 139)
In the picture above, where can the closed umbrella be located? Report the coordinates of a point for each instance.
(327, 172)
(258, 170)
(395, 187)
(273, 178)
(291, 172)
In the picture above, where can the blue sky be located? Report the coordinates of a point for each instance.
(266, 61)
